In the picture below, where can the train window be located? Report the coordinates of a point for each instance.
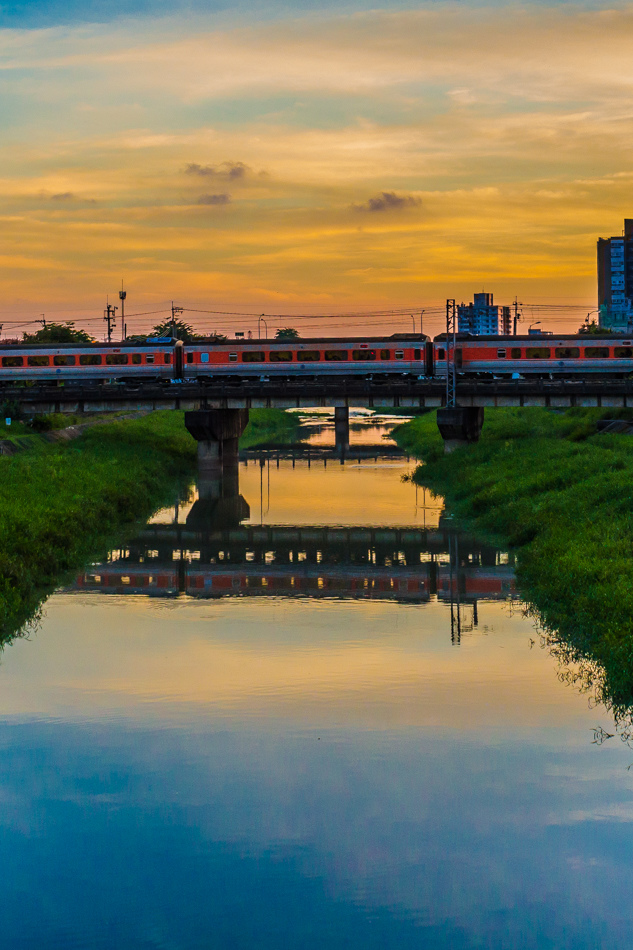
(118, 359)
(190, 357)
(167, 357)
(253, 356)
(204, 357)
(596, 352)
(363, 355)
(90, 359)
(399, 354)
(232, 357)
(308, 356)
(281, 356)
(385, 354)
(12, 361)
(149, 357)
(136, 358)
(64, 360)
(537, 353)
(501, 354)
(623, 352)
(515, 353)
(441, 353)
(416, 354)
(458, 359)
(38, 361)
(567, 352)
(336, 356)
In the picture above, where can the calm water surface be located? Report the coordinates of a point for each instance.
(329, 725)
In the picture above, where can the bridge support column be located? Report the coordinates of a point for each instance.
(459, 425)
(217, 432)
(341, 428)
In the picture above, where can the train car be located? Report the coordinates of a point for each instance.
(360, 356)
(536, 356)
(166, 359)
(89, 362)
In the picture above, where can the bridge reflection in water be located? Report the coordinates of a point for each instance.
(213, 554)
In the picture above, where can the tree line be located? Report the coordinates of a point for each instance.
(174, 329)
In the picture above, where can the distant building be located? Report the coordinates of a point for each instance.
(483, 318)
(615, 280)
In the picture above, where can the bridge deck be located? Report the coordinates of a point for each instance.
(343, 391)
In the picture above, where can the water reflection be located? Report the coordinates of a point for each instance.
(319, 768)
(215, 552)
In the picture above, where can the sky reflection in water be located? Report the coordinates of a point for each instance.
(250, 772)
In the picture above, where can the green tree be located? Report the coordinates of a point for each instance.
(58, 333)
(176, 328)
(286, 334)
(591, 328)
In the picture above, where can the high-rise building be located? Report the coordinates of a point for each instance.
(615, 280)
(483, 318)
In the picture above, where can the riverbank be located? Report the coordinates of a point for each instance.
(547, 484)
(62, 504)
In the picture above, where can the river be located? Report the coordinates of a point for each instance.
(309, 713)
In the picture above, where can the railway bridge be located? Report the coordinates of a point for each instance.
(217, 410)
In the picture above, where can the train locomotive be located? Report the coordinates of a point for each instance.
(410, 356)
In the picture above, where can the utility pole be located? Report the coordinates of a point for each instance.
(517, 316)
(451, 331)
(175, 311)
(109, 317)
(421, 324)
(122, 296)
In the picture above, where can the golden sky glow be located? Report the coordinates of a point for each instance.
(314, 162)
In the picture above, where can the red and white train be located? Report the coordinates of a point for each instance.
(414, 356)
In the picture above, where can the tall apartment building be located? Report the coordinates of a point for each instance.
(615, 280)
(483, 318)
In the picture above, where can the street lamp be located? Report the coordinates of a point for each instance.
(261, 320)
(537, 324)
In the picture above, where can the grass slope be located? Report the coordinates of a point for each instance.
(547, 483)
(60, 505)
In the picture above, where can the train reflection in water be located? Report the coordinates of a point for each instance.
(213, 554)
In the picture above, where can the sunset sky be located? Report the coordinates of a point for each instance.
(299, 158)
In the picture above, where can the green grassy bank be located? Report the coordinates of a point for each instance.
(563, 495)
(62, 504)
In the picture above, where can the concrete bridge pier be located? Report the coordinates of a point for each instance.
(459, 425)
(341, 428)
(217, 433)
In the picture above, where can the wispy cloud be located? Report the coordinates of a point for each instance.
(227, 171)
(221, 199)
(388, 201)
